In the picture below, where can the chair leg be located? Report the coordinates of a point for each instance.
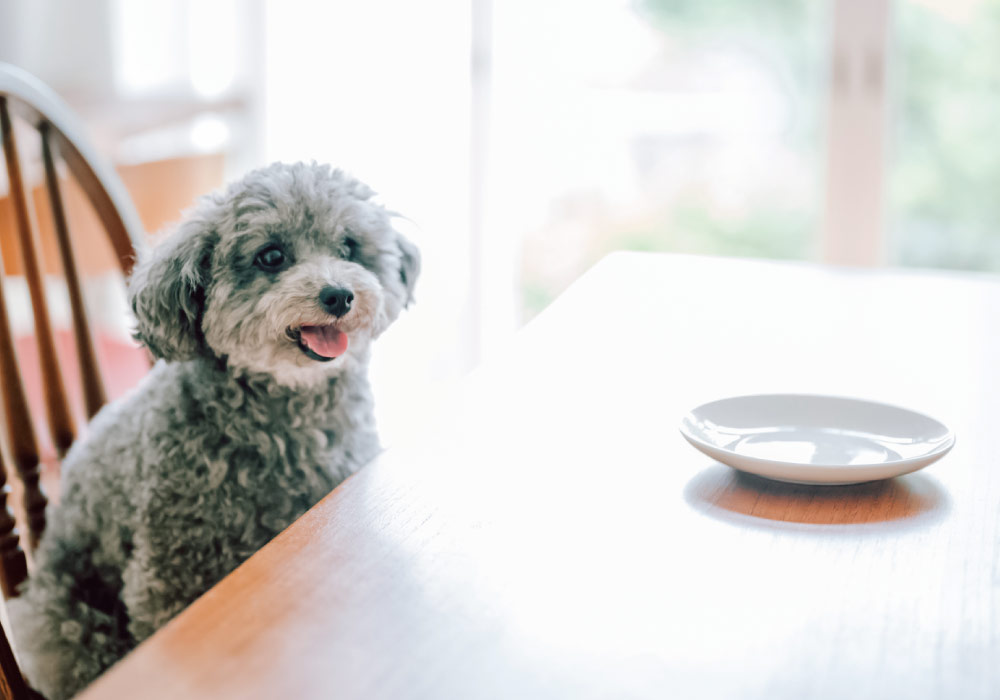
(12, 684)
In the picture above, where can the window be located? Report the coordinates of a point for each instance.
(672, 125)
(944, 168)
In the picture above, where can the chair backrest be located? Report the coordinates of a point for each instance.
(25, 99)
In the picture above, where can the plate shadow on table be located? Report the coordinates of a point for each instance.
(901, 503)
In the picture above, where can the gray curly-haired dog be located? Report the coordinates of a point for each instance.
(262, 306)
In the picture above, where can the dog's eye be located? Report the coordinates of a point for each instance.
(270, 259)
(349, 248)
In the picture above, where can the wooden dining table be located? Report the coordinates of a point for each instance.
(551, 535)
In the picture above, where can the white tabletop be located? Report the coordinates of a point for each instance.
(555, 537)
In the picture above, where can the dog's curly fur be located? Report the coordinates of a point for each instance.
(235, 432)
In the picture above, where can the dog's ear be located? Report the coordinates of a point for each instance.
(409, 266)
(167, 291)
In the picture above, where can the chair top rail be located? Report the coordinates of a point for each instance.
(35, 102)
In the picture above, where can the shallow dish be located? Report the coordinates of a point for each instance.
(809, 439)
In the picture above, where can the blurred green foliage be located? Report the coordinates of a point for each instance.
(787, 37)
(762, 232)
(944, 167)
(943, 177)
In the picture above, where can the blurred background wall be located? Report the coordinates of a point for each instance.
(526, 139)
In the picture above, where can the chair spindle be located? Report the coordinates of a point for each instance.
(21, 434)
(90, 371)
(13, 565)
(60, 420)
(19, 430)
(12, 684)
(104, 205)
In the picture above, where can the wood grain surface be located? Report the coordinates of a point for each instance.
(555, 537)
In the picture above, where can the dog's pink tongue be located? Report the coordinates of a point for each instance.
(325, 341)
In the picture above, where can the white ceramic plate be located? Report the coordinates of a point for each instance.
(808, 439)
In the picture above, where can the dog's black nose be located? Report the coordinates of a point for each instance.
(336, 300)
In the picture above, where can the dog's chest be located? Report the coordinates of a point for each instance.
(296, 449)
(250, 459)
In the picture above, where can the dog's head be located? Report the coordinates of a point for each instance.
(291, 271)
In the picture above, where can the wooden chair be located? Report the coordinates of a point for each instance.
(24, 98)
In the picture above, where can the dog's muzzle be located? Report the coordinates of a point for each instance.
(320, 343)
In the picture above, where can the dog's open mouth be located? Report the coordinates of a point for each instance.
(322, 343)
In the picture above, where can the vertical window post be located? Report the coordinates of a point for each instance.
(854, 228)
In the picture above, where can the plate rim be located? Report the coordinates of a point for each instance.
(947, 443)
